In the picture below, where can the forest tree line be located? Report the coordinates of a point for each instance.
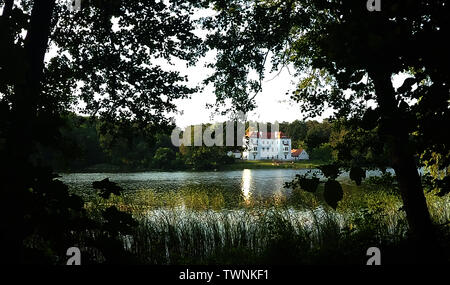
(84, 146)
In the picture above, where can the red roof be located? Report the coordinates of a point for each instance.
(266, 135)
(296, 152)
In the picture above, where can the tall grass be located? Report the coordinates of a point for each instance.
(205, 226)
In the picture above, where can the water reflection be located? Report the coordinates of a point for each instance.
(246, 184)
(279, 192)
(259, 185)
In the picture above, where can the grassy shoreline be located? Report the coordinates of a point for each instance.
(238, 165)
(269, 164)
(196, 227)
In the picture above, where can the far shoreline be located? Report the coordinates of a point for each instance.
(238, 165)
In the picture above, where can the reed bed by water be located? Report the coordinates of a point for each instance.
(202, 226)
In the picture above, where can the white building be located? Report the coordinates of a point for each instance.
(259, 145)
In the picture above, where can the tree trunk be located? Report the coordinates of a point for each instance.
(18, 172)
(403, 161)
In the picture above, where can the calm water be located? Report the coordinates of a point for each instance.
(255, 183)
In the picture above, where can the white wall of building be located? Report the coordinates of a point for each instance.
(264, 148)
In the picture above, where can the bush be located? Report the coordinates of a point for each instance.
(324, 153)
(164, 158)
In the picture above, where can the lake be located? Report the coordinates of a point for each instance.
(249, 184)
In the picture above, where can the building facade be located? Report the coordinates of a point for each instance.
(299, 154)
(267, 145)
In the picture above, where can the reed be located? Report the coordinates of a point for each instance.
(201, 226)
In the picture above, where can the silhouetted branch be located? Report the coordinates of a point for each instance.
(7, 8)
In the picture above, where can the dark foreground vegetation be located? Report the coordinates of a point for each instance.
(104, 63)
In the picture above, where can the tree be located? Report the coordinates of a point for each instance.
(317, 134)
(164, 158)
(106, 55)
(297, 132)
(207, 158)
(322, 152)
(354, 146)
(340, 45)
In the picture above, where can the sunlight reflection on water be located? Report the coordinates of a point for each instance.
(251, 184)
(246, 184)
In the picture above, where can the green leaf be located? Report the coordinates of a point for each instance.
(107, 188)
(330, 171)
(118, 221)
(309, 184)
(333, 193)
(407, 85)
(370, 119)
(357, 174)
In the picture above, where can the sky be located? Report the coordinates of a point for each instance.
(272, 103)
